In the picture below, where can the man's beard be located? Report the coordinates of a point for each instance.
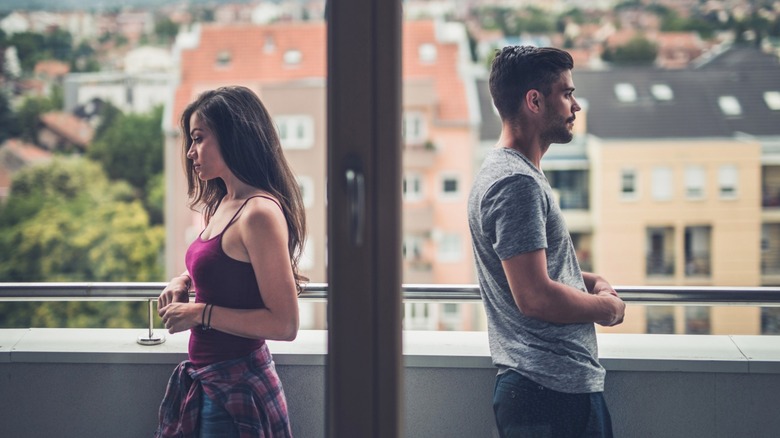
(557, 128)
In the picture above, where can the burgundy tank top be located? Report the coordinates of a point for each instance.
(224, 282)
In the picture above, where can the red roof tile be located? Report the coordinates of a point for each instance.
(51, 69)
(29, 153)
(72, 128)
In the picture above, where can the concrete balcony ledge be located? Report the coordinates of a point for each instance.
(100, 382)
(618, 352)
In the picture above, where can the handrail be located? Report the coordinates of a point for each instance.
(669, 295)
(650, 295)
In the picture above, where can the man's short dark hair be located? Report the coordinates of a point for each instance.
(517, 69)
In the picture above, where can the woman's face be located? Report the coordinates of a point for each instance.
(204, 151)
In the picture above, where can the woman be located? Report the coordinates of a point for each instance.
(243, 268)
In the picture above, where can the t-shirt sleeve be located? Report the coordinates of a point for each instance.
(514, 212)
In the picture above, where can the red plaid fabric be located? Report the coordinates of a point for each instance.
(248, 388)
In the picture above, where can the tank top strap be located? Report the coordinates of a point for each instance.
(233, 219)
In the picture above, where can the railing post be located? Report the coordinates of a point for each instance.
(151, 338)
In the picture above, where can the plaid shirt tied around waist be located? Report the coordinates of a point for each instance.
(248, 388)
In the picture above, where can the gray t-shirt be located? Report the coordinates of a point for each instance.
(512, 211)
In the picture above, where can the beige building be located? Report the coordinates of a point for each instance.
(684, 185)
(679, 212)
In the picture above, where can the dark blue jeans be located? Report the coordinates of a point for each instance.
(215, 421)
(526, 409)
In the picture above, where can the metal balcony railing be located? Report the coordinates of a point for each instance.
(648, 295)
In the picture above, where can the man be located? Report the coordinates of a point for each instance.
(540, 307)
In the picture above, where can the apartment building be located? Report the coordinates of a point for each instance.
(673, 178)
(285, 64)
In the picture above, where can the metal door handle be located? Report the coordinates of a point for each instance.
(356, 201)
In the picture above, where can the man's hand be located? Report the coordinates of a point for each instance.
(619, 306)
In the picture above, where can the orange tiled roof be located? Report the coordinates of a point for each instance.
(251, 55)
(51, 68)
(29, 153)
(70, 127)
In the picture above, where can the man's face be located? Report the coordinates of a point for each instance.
(559, 109)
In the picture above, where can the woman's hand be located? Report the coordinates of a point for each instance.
(177, 291)
(178, 317)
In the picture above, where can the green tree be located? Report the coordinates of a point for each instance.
(65, 221)
(9, 125)
(165, 29)
(30, 48)
(58, 44)
(638, 51)
(29, 114)
(131, 148)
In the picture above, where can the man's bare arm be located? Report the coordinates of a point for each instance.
(538, 296)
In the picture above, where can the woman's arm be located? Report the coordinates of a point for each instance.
(178, 290)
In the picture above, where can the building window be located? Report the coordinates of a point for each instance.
(292, 57)
(770, 249)
(625, 92)
(449, 248)
(418, 316)
(412, 187)
(450, 186)
(414, 131)
(660, 319)
(628, 184)
(306, 184)
(697, 320)
(571, 186)
(660, 251)
(269, 44)
(728, 180)
(412, 248)
(772, 100)
(583, 244)
(296, 132)
(223, 58)
(450, 317)
(427, 53)
(698, 251)
(662, 92)
(662, 183)
(695, 180)
(730, 106)
(770, 321)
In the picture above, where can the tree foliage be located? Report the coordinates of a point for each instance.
(32, 47)
(9, 124)
(65, 221)
(130, 147)
(29, 113)
(638, 51)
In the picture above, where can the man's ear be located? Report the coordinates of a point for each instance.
(533, 100)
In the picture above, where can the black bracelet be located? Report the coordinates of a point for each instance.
(203, 318)
(208, 324)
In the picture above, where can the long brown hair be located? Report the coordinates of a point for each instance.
(251, 149)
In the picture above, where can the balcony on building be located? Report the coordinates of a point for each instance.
(96, 382)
